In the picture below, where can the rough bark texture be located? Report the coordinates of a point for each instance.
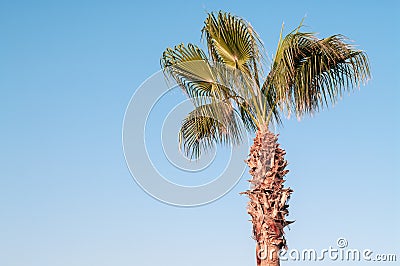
(268, 197)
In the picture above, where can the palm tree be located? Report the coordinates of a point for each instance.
(231, 95)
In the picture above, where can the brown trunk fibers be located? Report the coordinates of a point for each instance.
(268, 197)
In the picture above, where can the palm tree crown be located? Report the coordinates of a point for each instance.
(230, 92)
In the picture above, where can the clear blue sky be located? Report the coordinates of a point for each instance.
(67, 72)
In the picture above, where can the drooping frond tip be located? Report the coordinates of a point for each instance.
(207, 125)
(310, 73)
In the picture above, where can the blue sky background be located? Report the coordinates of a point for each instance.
(67, 72)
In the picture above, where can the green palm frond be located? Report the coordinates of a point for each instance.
(271, 104)
(209, 124)
(309, 73)
(248, 116)
(189, 67)
(232, 41)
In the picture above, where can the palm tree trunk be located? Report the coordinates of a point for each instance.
(268, 197)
